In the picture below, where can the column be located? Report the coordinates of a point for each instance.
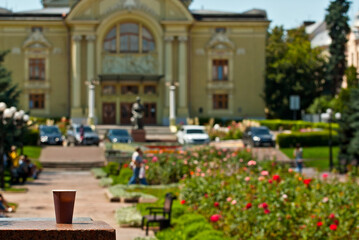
(91, 77)
(172, 96)
(76, 77)
(182, 76)
(168, 66)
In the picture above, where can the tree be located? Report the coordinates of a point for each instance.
(293, 68)
(337, 24)
(9, 93)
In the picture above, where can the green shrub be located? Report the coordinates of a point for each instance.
(106, 182)
(196, 227)
(306, 139)
(294, 125)
(128, 216)
(123, 178)
(209, 235)
(111, 168)
(98, 172)
(31, 137)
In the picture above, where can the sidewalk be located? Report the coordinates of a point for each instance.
(90, 200)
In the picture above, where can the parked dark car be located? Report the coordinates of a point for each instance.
(50, 135)
(89, 137)
(258, 136)
(119, 136)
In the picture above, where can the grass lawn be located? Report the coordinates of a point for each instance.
(316, 157)
(33, 152)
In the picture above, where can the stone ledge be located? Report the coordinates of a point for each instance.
(34, 229)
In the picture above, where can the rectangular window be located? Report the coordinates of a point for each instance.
(220, 101)
(37, 101)
(129, 89)
(37, 68)
(220, 70)
(108, 90)
(150, 89)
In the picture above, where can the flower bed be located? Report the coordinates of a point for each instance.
(261, 200)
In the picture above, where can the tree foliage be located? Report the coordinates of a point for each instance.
(9, 93)
(337, 24)
(293, 68)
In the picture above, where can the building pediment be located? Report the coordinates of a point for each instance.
(158, 9)
(36, 40)
(220, 41)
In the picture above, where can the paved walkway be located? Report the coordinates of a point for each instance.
(90, 200)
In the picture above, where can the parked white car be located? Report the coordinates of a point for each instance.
(192, 134)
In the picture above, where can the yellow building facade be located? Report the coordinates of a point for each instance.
(72, 54)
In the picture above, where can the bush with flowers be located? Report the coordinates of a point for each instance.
(246, 199)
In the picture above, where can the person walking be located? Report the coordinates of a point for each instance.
(138, 163)
(298, 156)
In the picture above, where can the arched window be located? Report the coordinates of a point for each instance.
(148, 43)
(132, 38)
(109, 44)
(129, 37)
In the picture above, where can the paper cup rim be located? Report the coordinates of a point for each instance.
(63, 190)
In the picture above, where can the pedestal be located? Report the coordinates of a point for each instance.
(138, 135)
(29, 229)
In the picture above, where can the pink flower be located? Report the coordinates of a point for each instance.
(264, 173)
(206, 195)
(331, 216)
(234, 202)
(266, 211)
(229, 199)
(203, 174)
(325, 175)
(215, 218)
(216, 204)
(325, 199)
(263, 205)
(155, 159)
(261, 178)
(247, 179)
(290, 170)
(270, 181)
(249, 205)
(251, 163)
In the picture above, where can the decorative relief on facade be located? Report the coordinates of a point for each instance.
(15, 50)
(200, 51)
(36, 38)
(57, 50)
(220, 40)
(130, 64)
(129, 5)
(241, 51)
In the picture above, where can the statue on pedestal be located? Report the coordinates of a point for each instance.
(137, 114)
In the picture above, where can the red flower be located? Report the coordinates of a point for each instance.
(216, 204)
(336, 221)
(331, 216)
(270, 181)
(183, 201)
(319, 224)
(215, 217)
(333, 227)
(307, 181)
(249, 205)
(266, 211)
(125, 165)
(206, 195)
(276, 178)
(263, 205)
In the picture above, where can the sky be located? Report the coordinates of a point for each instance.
(289, 13)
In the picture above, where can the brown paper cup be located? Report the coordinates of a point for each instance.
(64, 201)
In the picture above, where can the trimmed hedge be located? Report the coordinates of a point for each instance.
(277, 124)
(306, 139)
(31, 137)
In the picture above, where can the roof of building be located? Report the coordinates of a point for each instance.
(213, 15)
(48, 11)
(4, 10)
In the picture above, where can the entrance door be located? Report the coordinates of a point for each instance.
(126, 113)
(109, 113)
(149, 117)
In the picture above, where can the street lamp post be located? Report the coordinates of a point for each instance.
(328, 116)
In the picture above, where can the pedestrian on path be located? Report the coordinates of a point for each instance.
(138, 163)
(298, 156)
